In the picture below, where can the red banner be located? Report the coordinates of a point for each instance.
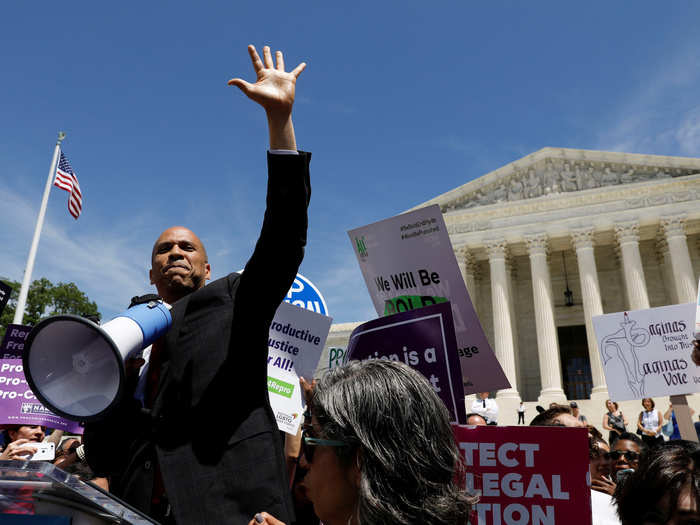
(527, 475)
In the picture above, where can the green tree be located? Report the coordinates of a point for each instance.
(45, 299)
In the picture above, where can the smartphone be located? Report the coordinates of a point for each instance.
(44, 452)
(623, 474)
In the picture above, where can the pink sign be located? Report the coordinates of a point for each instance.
(527, 475)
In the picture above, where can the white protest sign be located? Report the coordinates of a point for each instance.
(408, 262)
(285, 400)
(646, 353)
(294, 344)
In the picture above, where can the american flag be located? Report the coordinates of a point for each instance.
(66, 180)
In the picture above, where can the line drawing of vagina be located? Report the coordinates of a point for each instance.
(624, 344)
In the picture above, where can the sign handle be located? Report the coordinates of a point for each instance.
(685, 423)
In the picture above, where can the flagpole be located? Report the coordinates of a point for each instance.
(24, 290)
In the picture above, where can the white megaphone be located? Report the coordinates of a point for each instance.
(76, 368)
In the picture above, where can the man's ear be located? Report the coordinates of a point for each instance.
(207, 274)
(12, 434)
(150, 275)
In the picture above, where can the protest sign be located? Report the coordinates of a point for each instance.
(12, 344)
(525, 476)
(646, 353)
(295, 343)
(5, 291)
(19, 406)
(424, 339)
(407, 262)
(336, 357)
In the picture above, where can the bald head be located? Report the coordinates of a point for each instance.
(179, 264)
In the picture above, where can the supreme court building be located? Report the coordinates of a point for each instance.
(550, 240)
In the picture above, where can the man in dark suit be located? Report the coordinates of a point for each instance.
(203, 446)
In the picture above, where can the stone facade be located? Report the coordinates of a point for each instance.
(619, 231)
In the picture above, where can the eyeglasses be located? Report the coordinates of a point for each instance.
(616, 454)
(309, 444)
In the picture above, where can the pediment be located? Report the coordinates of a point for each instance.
(554, 171)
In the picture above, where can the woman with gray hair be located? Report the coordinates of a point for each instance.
(380, 449)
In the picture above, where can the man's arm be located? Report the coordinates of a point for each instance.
(280, 248)
(274, 90)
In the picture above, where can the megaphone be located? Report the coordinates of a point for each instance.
(76, 367)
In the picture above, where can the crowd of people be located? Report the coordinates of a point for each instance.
(376, 447)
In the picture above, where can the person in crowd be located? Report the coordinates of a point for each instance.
(476, 420)
(521, 414)
(486, 407)
(556, 416)
(649, 423)
(602, 506)
(380, 449)
(20, 439)
(697, 428)
(670, 415)
(624, 458)
(614, 421)
(665, 488)
(624, 455)
(225, 464)
(599, 466)
(576, 413)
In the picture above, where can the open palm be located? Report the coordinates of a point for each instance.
(274, 88)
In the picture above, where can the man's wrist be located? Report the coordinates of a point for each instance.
(281, 132)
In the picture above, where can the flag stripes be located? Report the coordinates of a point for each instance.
(66, 180)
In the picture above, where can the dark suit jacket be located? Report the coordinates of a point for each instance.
(211, 429)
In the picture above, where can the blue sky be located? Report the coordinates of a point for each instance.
(401, 101)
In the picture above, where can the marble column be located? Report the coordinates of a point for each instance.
(663, 255)
(502, 318)
(547, 340)
(467, 267)
(627, 235)
(582, 241)
(683, 275)
(512, 271)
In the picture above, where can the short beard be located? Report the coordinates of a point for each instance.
(178, 290)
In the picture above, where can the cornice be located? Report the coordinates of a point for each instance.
(642, 195)
(552, 172)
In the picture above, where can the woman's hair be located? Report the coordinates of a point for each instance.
(613, 403)
(401, 439)
(652, 402)
(548, 418)
(665, 471)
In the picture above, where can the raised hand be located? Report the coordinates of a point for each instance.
(605, 484)
(274, 88)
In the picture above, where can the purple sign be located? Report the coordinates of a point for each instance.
(425, 340)
(19, 406)
(12, 345)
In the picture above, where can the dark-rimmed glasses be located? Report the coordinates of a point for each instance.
(617, 454)
(309, 444)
